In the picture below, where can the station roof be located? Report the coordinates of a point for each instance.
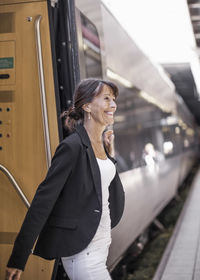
(182, 77)
(194, 10)
(181, 74)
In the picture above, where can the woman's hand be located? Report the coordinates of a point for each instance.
(108, 139)
(13, 273)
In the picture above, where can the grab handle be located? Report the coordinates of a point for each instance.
(15, 185)
(42, 91)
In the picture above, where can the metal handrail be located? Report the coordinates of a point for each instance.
(15, 185)
(42, 90)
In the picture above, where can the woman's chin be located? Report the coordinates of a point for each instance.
(110, 123)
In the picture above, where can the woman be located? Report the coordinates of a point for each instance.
(82, 197)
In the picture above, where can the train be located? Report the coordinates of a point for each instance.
(46, 48)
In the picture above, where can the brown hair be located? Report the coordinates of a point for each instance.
(84, 93)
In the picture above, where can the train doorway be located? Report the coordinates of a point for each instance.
(30, 106)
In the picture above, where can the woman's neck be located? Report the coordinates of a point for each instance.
(94, 131)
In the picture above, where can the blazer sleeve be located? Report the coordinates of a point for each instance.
(46, 195)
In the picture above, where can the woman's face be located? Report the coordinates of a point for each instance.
(103, 107)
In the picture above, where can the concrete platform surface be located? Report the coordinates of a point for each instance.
(181, 259)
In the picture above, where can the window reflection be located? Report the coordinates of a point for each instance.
(145, 135)
(91, 48)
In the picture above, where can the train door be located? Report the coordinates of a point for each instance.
(29, 113)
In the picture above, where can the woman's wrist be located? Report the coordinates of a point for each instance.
(108, 139)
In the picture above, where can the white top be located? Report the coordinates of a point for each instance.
(103, 233)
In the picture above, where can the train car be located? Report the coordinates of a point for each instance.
(46, 47)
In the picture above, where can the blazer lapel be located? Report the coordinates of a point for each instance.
(92, 159)
(95, 173)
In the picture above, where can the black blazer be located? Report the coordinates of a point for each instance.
(67, 206)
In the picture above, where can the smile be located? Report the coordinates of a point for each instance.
(109, 113)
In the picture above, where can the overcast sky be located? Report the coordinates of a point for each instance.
(161, 28)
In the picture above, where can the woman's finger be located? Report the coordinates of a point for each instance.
(109, 136)
(18, 275)
(13, 274)
(108, 132)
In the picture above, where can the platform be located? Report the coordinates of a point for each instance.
(181, 259)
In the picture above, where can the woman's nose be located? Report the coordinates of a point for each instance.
(113, 104)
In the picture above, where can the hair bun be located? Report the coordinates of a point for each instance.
(73, 114)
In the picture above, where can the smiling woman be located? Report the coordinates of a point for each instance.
(100, 114)
(102, 108)
(82, 197)
(94, 102)
(93, 97)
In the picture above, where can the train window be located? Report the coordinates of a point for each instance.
(91, 48)
(175, 140)
(7, 22)
(139, 139)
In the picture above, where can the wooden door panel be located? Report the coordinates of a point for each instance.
(22, 146)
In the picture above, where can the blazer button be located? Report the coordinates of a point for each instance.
(97, 211)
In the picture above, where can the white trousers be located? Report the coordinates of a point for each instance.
(87, 265)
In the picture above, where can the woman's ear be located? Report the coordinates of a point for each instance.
(87, 107)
